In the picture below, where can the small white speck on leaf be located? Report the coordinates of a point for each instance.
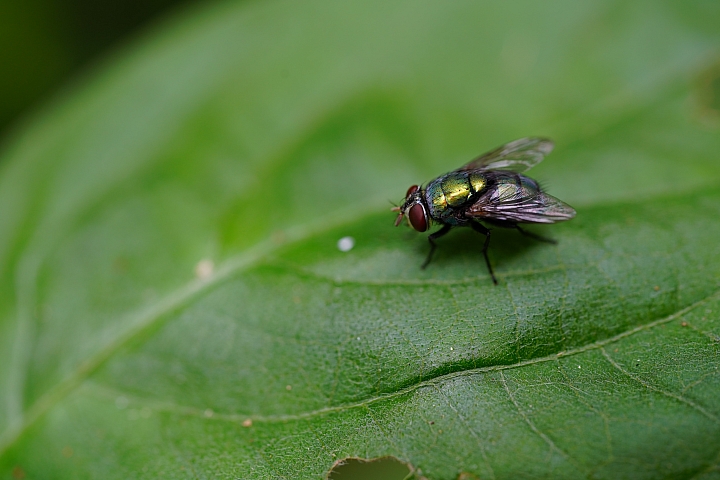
(451, 349)
(208, 412)
(204, 269)
(345, 244)
(579, 366)
(247, 423)
(288, 387)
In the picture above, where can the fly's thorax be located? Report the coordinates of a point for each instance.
(435, 199)
(456, 188)
(452, 191)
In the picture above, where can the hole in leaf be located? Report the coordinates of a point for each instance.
(383, 468)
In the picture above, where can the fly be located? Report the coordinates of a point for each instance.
(489, 189)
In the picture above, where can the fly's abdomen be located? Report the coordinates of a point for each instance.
(478, 181)
(512, 187)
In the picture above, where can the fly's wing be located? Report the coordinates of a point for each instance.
(521, 204)
(518, 156)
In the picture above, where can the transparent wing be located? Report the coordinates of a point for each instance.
(518, 156)
(542, 208)
(521, 203)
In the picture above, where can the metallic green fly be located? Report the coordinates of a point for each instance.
(489, 189)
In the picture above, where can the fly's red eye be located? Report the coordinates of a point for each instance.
(417, 217)
(411, 190)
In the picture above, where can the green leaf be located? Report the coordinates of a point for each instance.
(173, 302)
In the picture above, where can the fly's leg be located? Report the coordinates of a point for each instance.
(485, 231)
(535, 236)
(431, 238)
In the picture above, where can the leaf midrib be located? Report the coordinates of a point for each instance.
(111, 392)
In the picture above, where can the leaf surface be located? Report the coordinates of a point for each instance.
(173, 301)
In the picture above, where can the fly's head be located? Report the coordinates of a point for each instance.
(415, 209)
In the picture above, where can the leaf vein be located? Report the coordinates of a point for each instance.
(531, 424)
(472, 432)
(652, 387)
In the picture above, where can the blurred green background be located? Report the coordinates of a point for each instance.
(44, 43)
